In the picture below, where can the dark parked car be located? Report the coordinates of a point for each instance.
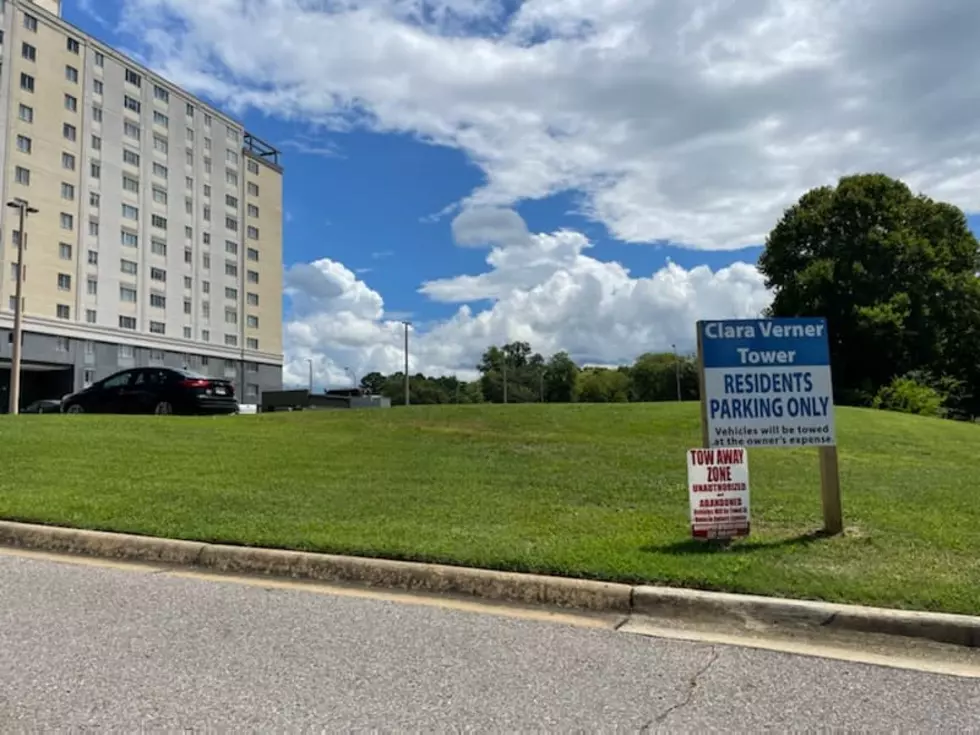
(158, 390)
(49, 405)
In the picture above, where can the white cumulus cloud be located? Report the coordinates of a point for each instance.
(695, 121)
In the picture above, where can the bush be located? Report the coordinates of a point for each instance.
(907, 394)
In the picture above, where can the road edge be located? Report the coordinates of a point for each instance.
(665, 603)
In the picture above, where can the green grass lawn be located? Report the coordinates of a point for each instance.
(585, 490)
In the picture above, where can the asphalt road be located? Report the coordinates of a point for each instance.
(95, 647)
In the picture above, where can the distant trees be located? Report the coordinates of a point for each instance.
(524, 376)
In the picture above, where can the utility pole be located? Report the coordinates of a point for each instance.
(407, 384)
(677, 371)
(311, 374)
(24, 209)
(541, 385)
(505, 377)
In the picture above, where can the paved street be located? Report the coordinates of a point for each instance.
(89, 646)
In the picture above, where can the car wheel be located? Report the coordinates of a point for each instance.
(74, 408)
(163, 408)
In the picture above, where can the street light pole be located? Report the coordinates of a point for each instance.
(24, 209)
(311, 374)
(677, 371)
(407, 385)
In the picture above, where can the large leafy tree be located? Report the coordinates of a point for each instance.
(894, 273)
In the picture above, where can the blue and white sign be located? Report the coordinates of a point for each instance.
(767, 383)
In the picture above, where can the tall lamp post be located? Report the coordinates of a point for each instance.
(406, 325)
(677, 371)
(310, 361)
(24, 209)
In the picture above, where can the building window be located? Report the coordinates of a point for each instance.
(189, 283)
(206, 311)
(62, 344)
(206, 262)
(205, 337)
(231, 157)
(187, 332)
(130, 184)
(252, 321)
(206, 238)
(158, 247)
(207, 120)
(252, 299)
(207, 165)
(190, 134)
(231, 316)
(96, 143)
(188, 255)
(92, 286)
(158, 274)
(96, 114)
(90, 316)
(157, 221)
(69, 132)
(189, 233)
(231, 340)
(253, 343)
(30, 23)
(207, 144)
(129, 239)
(160, 119)
(24, 144)
(27, 82)
(63, 312)
(231, 201)
(67, 192)
(133, 78)
(156, 356)
(14, 272)
(129, 267)
(64, 251)
(71, 103)
(131, 130)
(130, 212)
(231, 178)
(231, 247)
(253, 233)
(67, 221)
(188, 305)
(251, 390)
(126, 351)
(253, 254)
(231, 134)
(160, 170)
(190, 110)
(99, 59)
(98, 87)
(94, 199)
(131, 157)
(160, 144)
(231, 293)
(160, 93)
(127, 294)
(131, 103)
(93, 227)
(93, 257)
(73, 45)
(68, 161)
(231, 223)
(71, 74)
(95, 169)
(158, 328)
(64, 282)
(205, 286)
(26, 113)
(158, 301)
(253, 168)
(253, 277)
(89, 375)
(253, 211)
(22, 176)
(231, 269)
(28, 52)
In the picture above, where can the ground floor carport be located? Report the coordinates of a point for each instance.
(38, 381)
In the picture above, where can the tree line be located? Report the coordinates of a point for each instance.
(512, 373)
(894, 273)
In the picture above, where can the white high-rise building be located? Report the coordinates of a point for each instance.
(158, 235)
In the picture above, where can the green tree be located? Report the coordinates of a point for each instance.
(560, 376)
(893, 273)
(653, 377)
(373, 383)
(601, 385)
(515, 366)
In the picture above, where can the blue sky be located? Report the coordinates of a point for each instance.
(363, 195)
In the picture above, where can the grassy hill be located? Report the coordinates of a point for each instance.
(585, 490)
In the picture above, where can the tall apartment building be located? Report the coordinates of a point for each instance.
(158, 236)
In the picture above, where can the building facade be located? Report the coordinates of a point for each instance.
(158, 235)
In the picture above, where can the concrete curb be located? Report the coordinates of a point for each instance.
(749, 612)
(753, 612)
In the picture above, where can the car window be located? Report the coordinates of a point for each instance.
(117, 381)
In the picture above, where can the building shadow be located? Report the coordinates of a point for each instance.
(691, 547)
